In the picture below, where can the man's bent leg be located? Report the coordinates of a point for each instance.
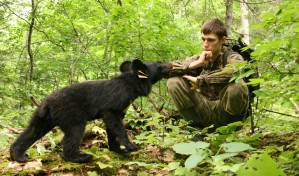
(189, 103)
(180, 92)
(234, 103)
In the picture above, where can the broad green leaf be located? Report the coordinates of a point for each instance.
(230, 128)
(286, 104)
(94, 149)
(246, 74)
(287, 157)
(255, 81)
(173, 165)
(220, 168)
(235, 147)
(260, 165)
(181, 171)
(189, 148)
(40, 149)
(268, 16)
(196, 158)
(260, 93)
(103, 165)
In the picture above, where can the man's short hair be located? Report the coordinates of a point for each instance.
(214, 26)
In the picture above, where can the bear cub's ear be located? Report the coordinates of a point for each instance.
(125, 66)
(140, 69)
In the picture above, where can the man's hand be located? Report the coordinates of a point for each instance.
(207, 55)
(192, 79)
(203, 59)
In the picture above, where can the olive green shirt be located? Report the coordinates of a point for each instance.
(216, 74)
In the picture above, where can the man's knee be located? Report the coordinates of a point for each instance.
(175, 85)
(173, 82)
(235, 98)
(237, 88)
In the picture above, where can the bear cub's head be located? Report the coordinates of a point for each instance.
(152, 71)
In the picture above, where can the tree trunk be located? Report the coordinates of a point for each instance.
(245, 22)
(229, 16)
(29, 37)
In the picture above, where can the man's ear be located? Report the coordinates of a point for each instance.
(140, 69)
(223, 39)
(125, 66)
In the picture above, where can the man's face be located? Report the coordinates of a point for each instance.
(212, 43)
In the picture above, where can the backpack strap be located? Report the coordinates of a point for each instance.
(226, 53)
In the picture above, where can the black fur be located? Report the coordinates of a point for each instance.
(71, 107)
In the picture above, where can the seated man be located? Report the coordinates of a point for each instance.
(218, 101)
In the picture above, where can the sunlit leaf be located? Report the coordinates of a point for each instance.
(261, 93)
(103, 165)
(196, 158)
(235, 147)
(255, 81)
(225, 168)
(189, 148)
(40, 149)
(229, 128)
(173, 165)
(94, 149)
(260, 165)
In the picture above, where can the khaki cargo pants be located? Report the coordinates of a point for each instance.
(192, 105)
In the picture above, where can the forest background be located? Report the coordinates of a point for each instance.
(45, 45)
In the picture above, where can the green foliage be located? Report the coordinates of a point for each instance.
(198, 151)
(277, 57)
(260, 165)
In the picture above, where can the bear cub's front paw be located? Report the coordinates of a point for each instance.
(131, 147)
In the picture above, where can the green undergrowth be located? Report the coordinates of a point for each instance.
(169, 147)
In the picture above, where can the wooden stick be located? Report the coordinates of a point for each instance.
(34, 101)
(280, 113)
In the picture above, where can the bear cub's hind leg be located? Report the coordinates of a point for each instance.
(38, 127)
(71, 143)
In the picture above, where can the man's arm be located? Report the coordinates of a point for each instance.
(218, 76)
(202, 60)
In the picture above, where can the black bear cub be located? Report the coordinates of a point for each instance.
(71, 107)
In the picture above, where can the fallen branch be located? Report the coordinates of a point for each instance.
(34, 101)
(279, 113)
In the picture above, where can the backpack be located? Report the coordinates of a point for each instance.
(234, 45)
(237, 46)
